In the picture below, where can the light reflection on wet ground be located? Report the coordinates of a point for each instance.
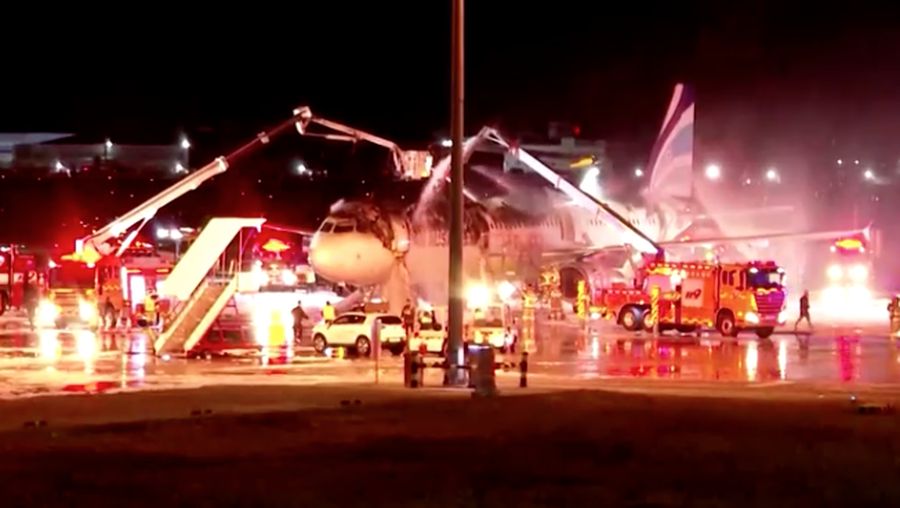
(829, 355)
(81, 362)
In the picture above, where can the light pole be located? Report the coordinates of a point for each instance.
(455, 321)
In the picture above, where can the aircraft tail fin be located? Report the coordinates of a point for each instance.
(671, 161)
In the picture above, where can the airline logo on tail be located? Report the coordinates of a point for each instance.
(672, 159)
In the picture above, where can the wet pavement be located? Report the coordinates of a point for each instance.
(57, 362)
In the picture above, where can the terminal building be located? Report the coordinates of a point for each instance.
(48, 153)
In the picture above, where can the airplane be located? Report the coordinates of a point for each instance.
(366, 244)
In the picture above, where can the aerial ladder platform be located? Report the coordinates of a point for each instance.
(198, 295)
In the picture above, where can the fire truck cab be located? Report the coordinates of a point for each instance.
(71, 296)
(850, 263)
(693, 296)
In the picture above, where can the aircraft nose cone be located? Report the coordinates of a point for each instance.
(319, 257)
(350, 258)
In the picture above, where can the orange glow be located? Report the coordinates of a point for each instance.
(582, 163)
(849, 244)
(88, 256)
(275, 245)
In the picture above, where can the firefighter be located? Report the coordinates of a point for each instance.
(328, 313)
(556, 310)
(108, 313)
(408, 314)
(894, 313)
(298, 315)
(804, 310)
(113, 292)
(529, 300)
(150, 309)
(529, 303)
(30, 297)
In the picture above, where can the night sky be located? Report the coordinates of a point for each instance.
(804, 81)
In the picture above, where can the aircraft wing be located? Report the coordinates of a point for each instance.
(811, 235)
(575, 253)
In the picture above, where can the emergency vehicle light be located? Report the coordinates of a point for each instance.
(849, 244)
(274, 245)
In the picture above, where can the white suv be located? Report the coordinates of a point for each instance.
(354, 330)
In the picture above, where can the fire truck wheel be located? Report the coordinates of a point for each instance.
(319, 343)
(726, 324)
(363, 346)
(764, 333)
(631, 319)
(647, 321)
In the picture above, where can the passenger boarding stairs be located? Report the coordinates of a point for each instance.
(198, 287)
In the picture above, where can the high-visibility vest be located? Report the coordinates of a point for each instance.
(149, 304)
(328, 313)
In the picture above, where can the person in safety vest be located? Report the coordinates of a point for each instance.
(328, 313)
(150, 308)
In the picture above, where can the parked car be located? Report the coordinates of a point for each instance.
(354, 330)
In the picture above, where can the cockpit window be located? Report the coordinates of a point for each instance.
(344, 227)
(326, 226)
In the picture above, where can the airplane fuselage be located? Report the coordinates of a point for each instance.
(345, 250)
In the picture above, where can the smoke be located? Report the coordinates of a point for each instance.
(369, 217)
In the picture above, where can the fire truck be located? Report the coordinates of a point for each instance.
(279, 262)
(850, 262)
(116, 261)
(15, 268)
(70, 300)
(77, 288)
(693, 296)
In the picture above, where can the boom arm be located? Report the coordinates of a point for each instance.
(99, 240)
(633, 235)
(348, 134)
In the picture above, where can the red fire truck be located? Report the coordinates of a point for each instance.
(850, 263)
(692, 296)
(280, 259)
(15, 266)
(77, 287)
